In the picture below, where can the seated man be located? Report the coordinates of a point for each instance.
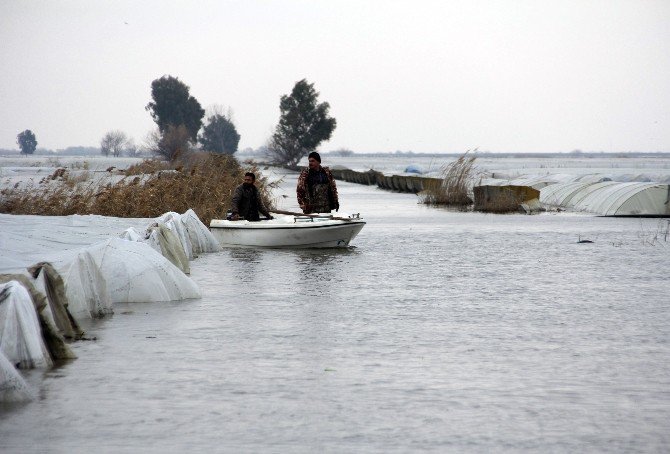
(247, 202)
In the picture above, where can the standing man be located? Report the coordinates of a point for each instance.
(317, 192)
(246, 201)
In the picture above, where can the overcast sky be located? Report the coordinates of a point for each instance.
(426, 76)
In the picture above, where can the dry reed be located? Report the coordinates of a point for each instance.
(454, 188)
(202, 181)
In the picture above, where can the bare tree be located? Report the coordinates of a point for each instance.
(113, 143)
(130, 149)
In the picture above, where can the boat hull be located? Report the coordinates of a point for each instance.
(284, 233)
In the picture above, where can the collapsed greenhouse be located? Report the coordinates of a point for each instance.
(41, 304)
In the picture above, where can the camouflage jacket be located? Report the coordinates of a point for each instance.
(305, 195)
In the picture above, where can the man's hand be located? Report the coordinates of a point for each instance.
(235, 217)
(337, 206)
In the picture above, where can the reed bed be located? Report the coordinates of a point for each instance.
(202, 181)
(455, 186)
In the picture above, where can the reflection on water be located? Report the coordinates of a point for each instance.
(260, 268)
(439, 331)
(314, 263)
(246, 255)
(245, 263)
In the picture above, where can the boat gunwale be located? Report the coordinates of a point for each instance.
(306, 225)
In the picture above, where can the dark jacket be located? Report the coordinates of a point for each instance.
(247, 203)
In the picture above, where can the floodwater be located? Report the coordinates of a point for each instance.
(437, 331)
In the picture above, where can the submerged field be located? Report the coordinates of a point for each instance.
(439, 331)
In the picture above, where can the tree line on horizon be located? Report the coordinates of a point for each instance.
(303, 124)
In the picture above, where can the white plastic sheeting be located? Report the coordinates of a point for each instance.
(96, 272)
(561, 194)
(592, 178)
(86, 287)
(537, 182)
(137, 273)
(201, 237)
(131, 234)
(20, 332)
(194, 236)
(173, 221)
(610, 198)
(629, 199)
(48, 297)
(93, 285)
(169, 245)
(28, 239)
(164, 241)
(13, 387)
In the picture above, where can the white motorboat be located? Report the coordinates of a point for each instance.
(289, 231)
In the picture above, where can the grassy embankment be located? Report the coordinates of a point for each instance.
(201, 181)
